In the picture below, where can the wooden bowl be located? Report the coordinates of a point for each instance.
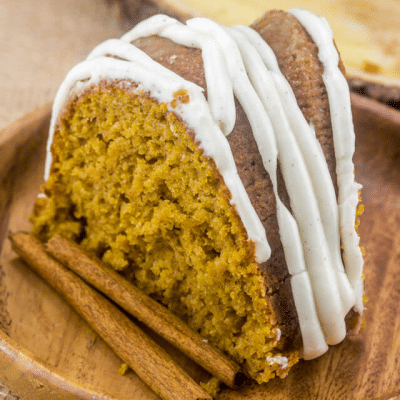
(48, 352)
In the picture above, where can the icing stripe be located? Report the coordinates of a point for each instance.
(344, 143)
(219, 86)
(334, 303)
(314, 343)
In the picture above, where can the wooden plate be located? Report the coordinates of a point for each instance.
(48, 352)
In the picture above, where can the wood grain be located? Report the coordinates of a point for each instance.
(50, 351)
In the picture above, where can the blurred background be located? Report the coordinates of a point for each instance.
(40, 40)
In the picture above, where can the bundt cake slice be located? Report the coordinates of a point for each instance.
(208, 171)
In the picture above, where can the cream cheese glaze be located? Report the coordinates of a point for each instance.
(344, 142)
(238, 63)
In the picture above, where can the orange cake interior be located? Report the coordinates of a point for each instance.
(143, 198)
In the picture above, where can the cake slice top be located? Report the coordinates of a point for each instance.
(238, 63)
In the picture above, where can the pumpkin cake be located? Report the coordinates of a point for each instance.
(212, 166)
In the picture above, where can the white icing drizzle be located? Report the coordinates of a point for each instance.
(219, 86)
(314, 343)
(303, 196)
(344, 143)
(238, 62)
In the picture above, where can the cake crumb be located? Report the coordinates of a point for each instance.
(212, 386)
(373, 68)
(123, 369)
(182, 96)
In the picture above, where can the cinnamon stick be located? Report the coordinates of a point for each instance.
(150, 362)
(144, 308)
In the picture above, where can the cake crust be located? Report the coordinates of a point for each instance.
(297, 56)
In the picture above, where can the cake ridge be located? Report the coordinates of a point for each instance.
(344, 142)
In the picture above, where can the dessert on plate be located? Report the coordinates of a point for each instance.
(212, 167)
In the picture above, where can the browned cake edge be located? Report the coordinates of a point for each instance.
(297, 57)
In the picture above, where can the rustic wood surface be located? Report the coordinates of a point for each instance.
(5, 393)
(51, 353)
